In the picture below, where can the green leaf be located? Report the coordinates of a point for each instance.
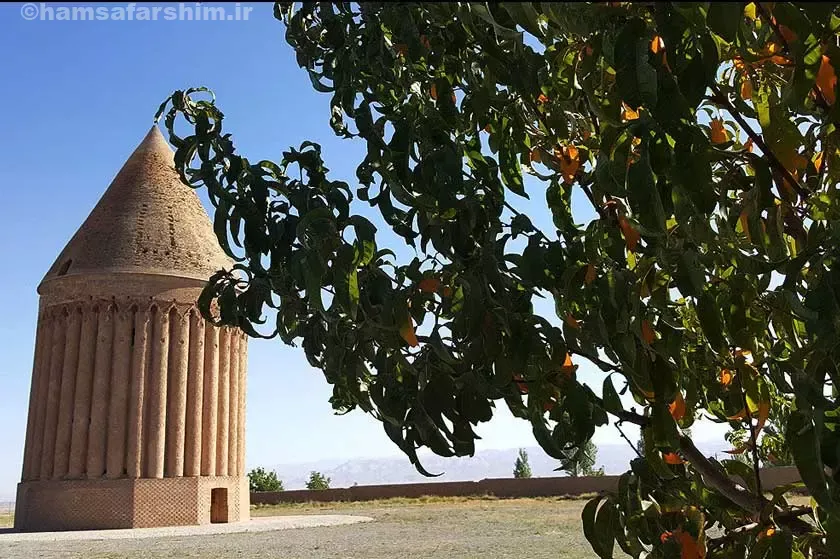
(644, 194)
(524, 14)
(665, 432)
(635, 77)
(612, 403)
(604, 530)
(353, 291)
(724, 18)
(742, 470)
(653, 458)
(365, 239)
(832, 530)
(319, 86)
(227, 306)
(520, 224)
(501, 32)
(804, 444)
(588, 518)
(511, 170)
(544, 438)
(220, 226)
(708, 313)
(313, 273)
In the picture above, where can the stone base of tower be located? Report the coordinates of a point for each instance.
(130, 503)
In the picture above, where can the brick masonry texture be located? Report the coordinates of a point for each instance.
(137, 404)
(127, 503)
(147, 222)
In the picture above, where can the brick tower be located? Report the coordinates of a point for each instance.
(137, 405)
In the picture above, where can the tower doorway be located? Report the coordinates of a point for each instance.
(219, 505)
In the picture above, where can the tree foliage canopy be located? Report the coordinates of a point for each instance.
(521, 468)
(704, 283)
(259, 479)
(317, 481)
(581, 461)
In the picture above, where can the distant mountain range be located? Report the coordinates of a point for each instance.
(485, 464)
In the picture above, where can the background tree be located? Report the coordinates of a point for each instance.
(317, 481)
(521, 468)
(773, 449)
(640, 444)
(687, 157)
(261, 480)
(581, 461)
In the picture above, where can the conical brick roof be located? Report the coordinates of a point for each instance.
(147, 222)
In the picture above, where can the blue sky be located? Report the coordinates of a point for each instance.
(78, 97)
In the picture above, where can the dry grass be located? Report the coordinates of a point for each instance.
(314, 507)
(428, 528)
(7, 520)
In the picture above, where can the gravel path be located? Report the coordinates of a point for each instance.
(534, 528)
(260, 524)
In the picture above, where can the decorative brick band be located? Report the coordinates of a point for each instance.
(128, 503)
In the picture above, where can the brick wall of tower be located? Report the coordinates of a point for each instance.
(110, 394)
(131, 388)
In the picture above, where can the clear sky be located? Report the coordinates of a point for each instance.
(78, 96)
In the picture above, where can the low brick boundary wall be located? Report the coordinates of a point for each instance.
(504, 488)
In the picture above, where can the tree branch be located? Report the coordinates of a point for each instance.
(723, 100)
(516, 212)
(732, 535)
(824, 161)
(623, 415)
(603, 365)
(772, 21)
(753, 439)
(588, 191)
(719, 480)
(786, 517)
(623, 436)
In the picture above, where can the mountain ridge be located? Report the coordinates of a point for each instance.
(490, 463)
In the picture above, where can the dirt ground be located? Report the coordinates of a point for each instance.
(431, 528)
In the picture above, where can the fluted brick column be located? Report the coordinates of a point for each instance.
(195, 396)
(140, 360)
(44, 353)
(82, 397)
(224, 403)
(233, 407)
(156, 439)
(53, 394)
(243, 369)
(115, 465)
(97, 434)
(210, 414)
(177, 409)
(68, 387)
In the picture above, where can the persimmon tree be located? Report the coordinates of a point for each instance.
(704, 282)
